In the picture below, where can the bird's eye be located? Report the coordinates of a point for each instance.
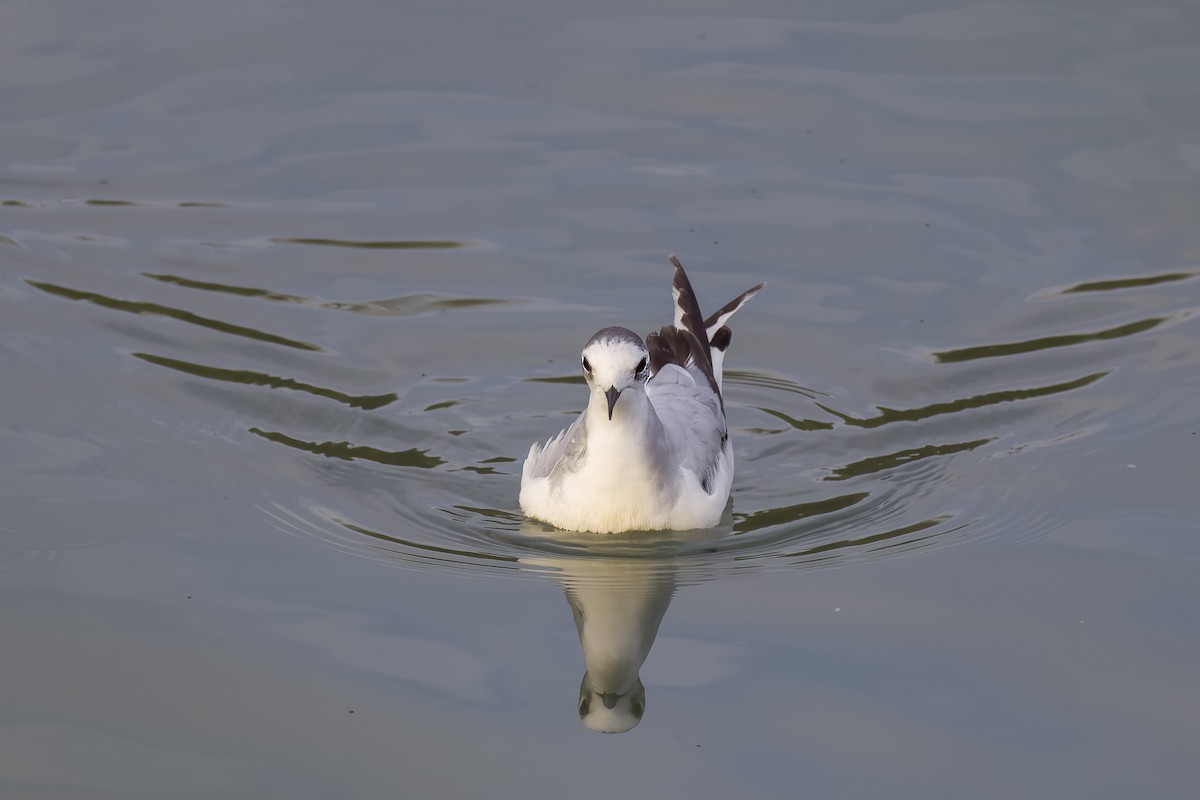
(587, 365)
(641, 367)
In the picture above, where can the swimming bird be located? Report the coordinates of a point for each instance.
(651, 451)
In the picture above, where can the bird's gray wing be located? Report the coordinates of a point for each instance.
(564, 449)
(692, 418)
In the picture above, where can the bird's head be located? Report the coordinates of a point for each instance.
(608, 711)
(615, 359)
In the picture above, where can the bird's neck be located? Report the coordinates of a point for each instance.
(631, 447)
(633, 421)
(617, 624)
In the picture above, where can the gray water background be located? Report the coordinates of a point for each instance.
(288, 288)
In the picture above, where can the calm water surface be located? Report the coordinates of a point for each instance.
(288, 289)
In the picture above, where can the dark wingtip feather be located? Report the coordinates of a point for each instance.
(731, 306)
(685, 301)
(722, 338)
(670, 345)
(667, 346)
(692, 340)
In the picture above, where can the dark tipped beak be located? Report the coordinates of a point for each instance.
(610, 700)
(612, 394)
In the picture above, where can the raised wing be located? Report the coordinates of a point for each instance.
(694, 343)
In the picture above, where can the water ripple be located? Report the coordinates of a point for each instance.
(887, 416)
(402, 305)
(889, 461)
(430, 475)
(1046, 342)
(252, 378)
(1133, 282)
(182, 315)
(346, 451)
(429, 244)
(901, 488)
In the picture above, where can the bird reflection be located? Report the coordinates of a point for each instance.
(618, 605)
(618, 593)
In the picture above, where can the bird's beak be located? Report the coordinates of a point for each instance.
(610, 700)
(612, 394)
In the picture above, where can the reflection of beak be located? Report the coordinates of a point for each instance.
(610, 699)
(612, 394)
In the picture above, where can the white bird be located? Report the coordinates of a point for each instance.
(651, 451)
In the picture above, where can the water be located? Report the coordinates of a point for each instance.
(287, 290)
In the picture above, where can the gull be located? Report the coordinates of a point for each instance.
(651, 451)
